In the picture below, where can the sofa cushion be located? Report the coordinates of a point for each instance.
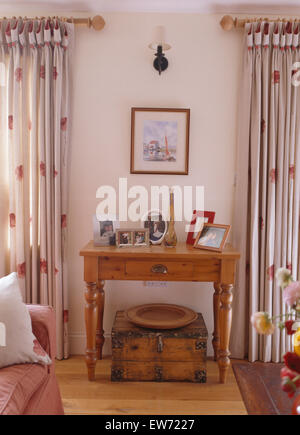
(21, 345)
(18, 384)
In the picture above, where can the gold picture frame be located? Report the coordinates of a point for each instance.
(212, 237)
(159, 141)
(132, 237)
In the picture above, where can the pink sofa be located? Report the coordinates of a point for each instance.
(32, 389)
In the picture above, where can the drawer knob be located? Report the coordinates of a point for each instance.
(159, 268)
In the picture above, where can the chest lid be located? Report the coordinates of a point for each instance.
(124, 328)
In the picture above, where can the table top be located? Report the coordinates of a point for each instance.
(181, 250)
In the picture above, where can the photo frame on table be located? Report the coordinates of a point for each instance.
(132, 237)
(159, 141)
(157, 225)
(199, 217)
(105, 230)
(212, 237)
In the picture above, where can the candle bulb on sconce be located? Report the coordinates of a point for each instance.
(160, 62)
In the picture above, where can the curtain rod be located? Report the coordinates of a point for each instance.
(97, 22)
(228, 22)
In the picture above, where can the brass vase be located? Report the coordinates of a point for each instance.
(170, 237)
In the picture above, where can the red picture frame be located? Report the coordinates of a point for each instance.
(209, 217)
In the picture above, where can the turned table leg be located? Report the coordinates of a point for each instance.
(216, 333)
(100, 332)
(91, 322)
(225, 327)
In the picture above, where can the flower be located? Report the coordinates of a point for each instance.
(284, 277)
(297, 342)
(289, 381)
(262, 323)
(292, 361)
(291, 293)
(291, 326)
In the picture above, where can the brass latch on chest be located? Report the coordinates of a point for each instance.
(160, 344)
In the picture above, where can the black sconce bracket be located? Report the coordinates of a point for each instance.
(161, 62)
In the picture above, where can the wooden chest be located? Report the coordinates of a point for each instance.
(140, 354)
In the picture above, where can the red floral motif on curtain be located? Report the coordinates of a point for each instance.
(63, 123)
(43, 169)
(21, 270)
(18, 74)
(63, 220)
(270, 272)
(43, 266)
(273, 175)
(275, 77)
(12, 220)
(42, 71)
(10, 122)
(19, 172)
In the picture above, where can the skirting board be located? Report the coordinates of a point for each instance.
(78, 344)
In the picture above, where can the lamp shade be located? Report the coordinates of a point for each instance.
(159, 38)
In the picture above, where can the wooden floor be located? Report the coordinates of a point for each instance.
(150, 398)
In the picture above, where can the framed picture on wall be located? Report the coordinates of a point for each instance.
(199, 217)
(212, 237)
(160, 141)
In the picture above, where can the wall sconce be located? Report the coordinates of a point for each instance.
(160, 62)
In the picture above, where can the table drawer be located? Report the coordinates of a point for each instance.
(159, 270)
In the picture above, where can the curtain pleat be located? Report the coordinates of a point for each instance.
(35, 55)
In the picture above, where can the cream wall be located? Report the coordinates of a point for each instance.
(112, 73)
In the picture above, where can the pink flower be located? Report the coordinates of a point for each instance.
(42, 71)
(18, 74)
(43, 169)
(12, 220)
(10, 122)
(63, 123)
(43, 266)
(37, 348)
(291, 293)
(21, 270)
(262, 323)
(19, 172)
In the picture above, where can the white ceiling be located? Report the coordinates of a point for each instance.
(201, 6)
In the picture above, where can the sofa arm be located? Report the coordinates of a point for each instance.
(43, 327)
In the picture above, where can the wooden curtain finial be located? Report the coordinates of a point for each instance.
(98, 23)
(227, 23)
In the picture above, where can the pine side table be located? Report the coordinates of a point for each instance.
(158, 263)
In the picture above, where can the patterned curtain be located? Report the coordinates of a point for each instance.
(35, 121)
(266, 228)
